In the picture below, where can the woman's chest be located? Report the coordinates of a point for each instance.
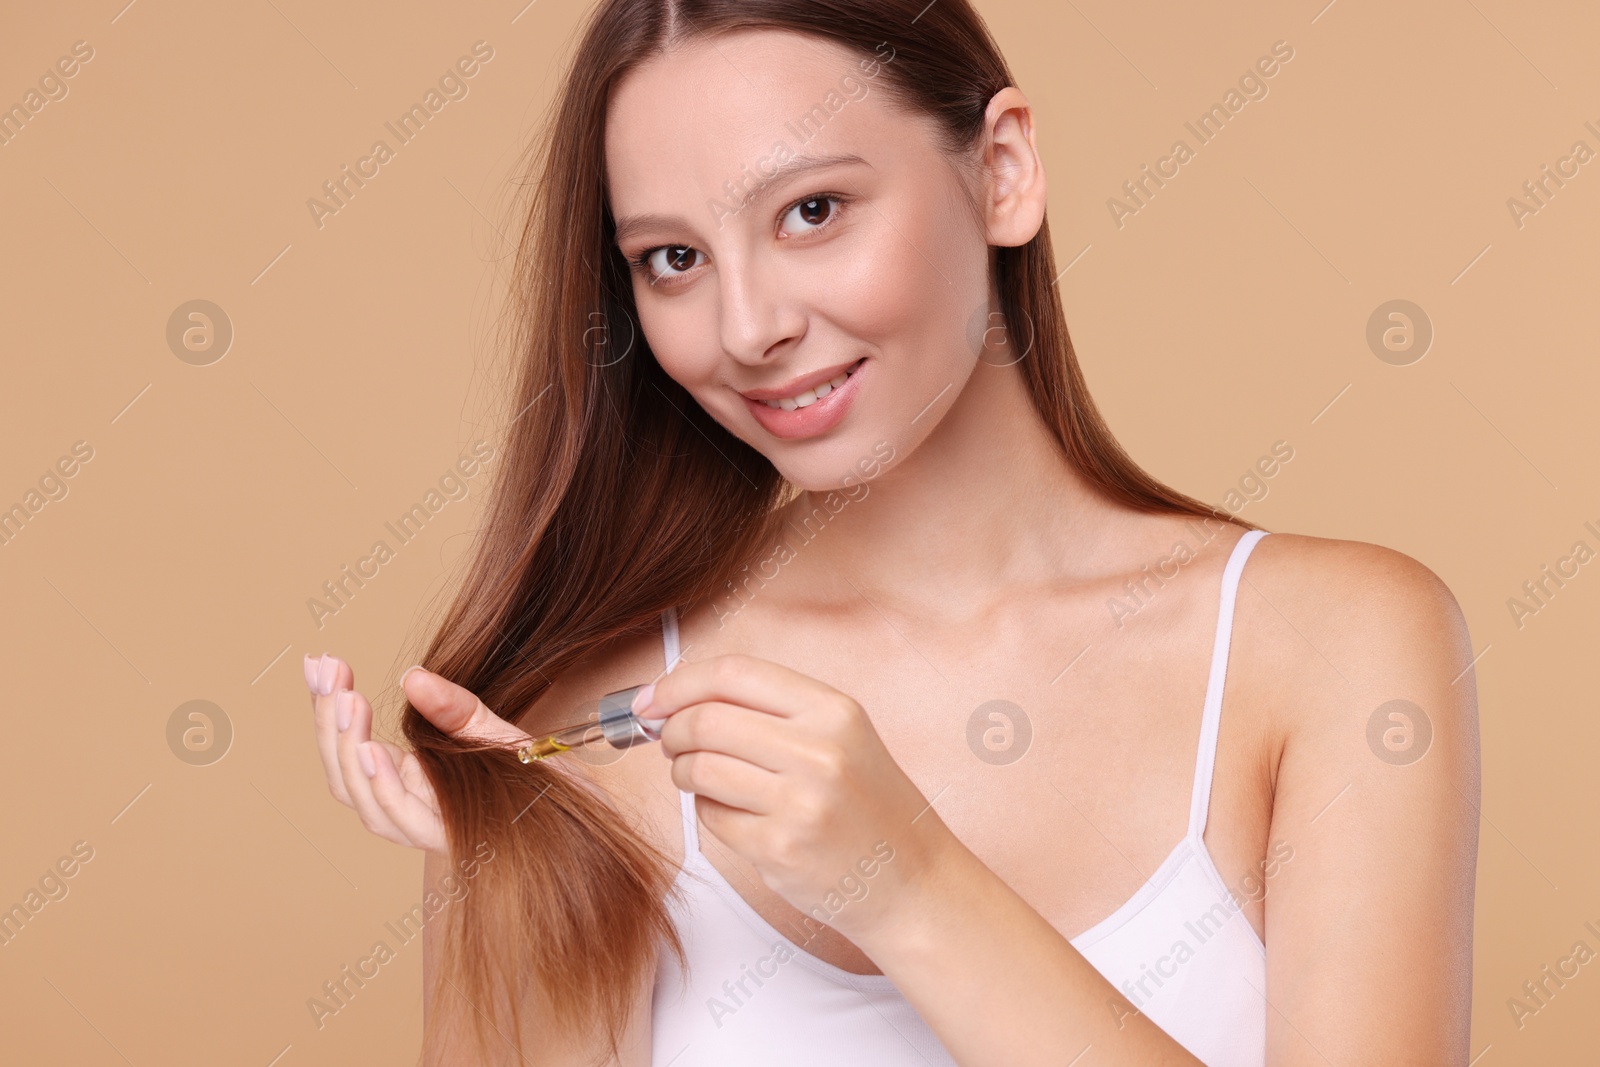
(1067, 770)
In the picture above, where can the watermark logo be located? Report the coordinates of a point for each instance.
(1399, 732)
(1138, 593)
(1154, 974)
(1252, 487)
(1553, 577)
(999, 732)
(199, 733)
(453, 485)
(199, 332)
(597, 340)
(991, 337)
(340, 190)
(804, 128)
(1399, 332)
(740, 590)
(51, 887)
(53, 88)
(1539, 191)
(339, 991)
(52, 486)
(853, 886)
(1539, 992)
(1252, 86)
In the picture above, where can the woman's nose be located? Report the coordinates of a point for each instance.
(759, 310)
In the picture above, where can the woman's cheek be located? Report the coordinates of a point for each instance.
(898, 278)
(674, 340)
(875, 287)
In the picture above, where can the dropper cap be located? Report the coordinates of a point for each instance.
(617, 725)
(620, 725)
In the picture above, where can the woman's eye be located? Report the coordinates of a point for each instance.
(665, 263)
(670, 260)
(810, 214)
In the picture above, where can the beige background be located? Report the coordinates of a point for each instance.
(1230, 312)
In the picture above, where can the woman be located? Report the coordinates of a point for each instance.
(950, 776)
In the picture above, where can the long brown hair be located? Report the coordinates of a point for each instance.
(618, 496)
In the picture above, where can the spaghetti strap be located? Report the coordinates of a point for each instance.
(1211, 714)
(691, 828)
(669, 636)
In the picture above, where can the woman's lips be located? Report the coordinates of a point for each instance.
(813, 419)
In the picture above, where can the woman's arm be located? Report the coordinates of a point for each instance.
(1369, 930)
(994, 980)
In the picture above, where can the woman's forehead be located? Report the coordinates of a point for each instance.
(716, 110)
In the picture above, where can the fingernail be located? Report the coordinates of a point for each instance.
(341, 710)
(408, 670)
(326, 672)
(364, 754)
(641, 699)
(311, 673)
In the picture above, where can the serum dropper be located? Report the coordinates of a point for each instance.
(616, 725)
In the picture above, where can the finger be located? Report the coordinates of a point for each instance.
(455, 710)
(329, 671)
(727, 780)
(749, 681)
(327, 674)
(418, 824)
(356, 780)
(763, 740)
(739, 830)
(396, 754)
(413, 777)
(411, 773)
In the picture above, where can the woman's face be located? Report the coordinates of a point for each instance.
(755, 281)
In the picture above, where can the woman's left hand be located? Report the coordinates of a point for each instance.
(791, 775)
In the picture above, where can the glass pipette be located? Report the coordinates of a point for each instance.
(616, 725)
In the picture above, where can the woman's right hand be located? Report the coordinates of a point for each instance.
(383, 782)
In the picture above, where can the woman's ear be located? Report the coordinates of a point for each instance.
(1015, 193)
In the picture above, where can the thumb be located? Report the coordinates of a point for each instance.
(454, 709)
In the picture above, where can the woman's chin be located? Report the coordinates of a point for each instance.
(845, 469)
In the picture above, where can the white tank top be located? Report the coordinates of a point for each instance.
(1179, 949)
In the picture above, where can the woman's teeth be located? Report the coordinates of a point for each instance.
(812, 395)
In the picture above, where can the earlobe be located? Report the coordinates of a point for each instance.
(1016, 195)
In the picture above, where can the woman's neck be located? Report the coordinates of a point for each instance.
(986, 501)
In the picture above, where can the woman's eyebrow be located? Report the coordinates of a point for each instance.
(630, 225)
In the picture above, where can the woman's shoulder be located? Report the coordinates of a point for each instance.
(1362, 589)
(1338, 630)
(1342, 589)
